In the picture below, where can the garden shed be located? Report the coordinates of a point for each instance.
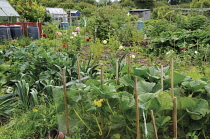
(59, 14)
(141, 13)
(75, 13)
(7, 12)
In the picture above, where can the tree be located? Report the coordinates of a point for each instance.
(128, 3)
(142, 4)
(200, 4)
(29, 10)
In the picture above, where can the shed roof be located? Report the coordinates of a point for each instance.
(56, 10)
(6, 9)
(74, 11)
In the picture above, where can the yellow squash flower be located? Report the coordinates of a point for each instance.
(99, 102)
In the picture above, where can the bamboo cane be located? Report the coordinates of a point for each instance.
(102, 117)
(65, 103)
(102, 74)
(161, 76)
(117, 76)
(95, 34)
(137, 109)
(129, 64)
(175, 117)
(172, 78)
(153, 123)
(78, 70)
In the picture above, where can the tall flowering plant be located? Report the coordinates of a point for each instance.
(75, 38)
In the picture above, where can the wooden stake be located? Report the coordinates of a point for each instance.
(102, 117)
(172, 78)
(95, 34)
(161, 76)
(137, 109)
(65, 103)
(102, 74)
(129, 64)
(153, 123)
(117, 70)
(175, 118)
(78, 70)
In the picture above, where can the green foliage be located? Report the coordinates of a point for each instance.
(154, 28)
(35, 123)
(7, 105)
(27, 97)
(105, 21)
(191, 22)
(128, 3)
(65, 5)
(31, 78)
(87, 12)
(187, 43)
(38, 57)
(165, 13)
(144, 4)
(129, 35)
(161, 4)
(30, 10)
(200, 4)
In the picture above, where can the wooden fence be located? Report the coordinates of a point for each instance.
(24, 26)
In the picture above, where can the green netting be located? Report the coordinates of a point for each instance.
(59, 103)
(58, 97)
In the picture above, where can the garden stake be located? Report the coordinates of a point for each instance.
(102, 74)
(117, 76)
(95, 34)
(137, 109)
(65, 102)
(78, 70)
(161, 76)
(175, 117)
(172, 78)
(129, 63)
(102, 117)
(153, 123)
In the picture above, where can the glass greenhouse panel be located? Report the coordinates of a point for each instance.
(6, 9)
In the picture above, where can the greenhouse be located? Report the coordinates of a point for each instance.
(7, 12)
(59, 14)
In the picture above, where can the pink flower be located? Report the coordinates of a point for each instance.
(59, 33)
(74, 33)
(14, 40)
(77, 28)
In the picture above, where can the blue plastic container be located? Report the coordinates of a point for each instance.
(33, 32)
(5, 33)
(64, 25)
(140, 25)
(16, 31)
